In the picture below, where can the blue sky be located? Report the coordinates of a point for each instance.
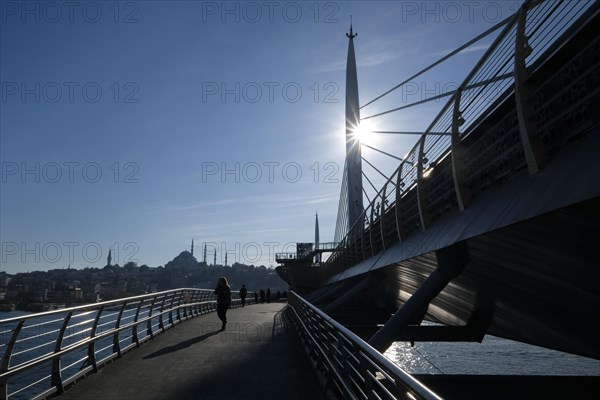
(137, 126)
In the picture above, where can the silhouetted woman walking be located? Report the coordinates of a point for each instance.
(223, 292)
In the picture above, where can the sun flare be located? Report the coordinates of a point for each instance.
(364, 132)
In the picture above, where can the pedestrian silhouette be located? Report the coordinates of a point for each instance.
(243, 292)
(268, 295)
(223, 293)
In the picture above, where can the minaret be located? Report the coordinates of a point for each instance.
(192, 247)
(215, 259)
(318, 256)
(225, 259)
(353, 152)
(109, 258)
(204, 253)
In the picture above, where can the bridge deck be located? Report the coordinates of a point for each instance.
(255, 357)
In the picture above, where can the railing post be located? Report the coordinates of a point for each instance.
(183, 298)
(351, 243)
(6, 358)
(533, 148)
(361, 230)
(463, 194)
(382, 217)
(92, 345)
(161, 324)
(116, 342)
(399, 185)
(134, 334)
(358, 240)
(149, 323)
(171, 307)
(190, 308)
(423, 210)
(371, 233)
(56, 378)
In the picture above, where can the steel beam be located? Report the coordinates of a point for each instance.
(451, 261)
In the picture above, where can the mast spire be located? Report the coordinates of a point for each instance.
(351, 35)
(353, 152)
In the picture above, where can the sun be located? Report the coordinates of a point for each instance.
(364, 132)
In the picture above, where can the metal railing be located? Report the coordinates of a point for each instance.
(43, 353)
(347, 367)
(328, 246)
(463, 152)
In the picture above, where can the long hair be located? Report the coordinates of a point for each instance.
(223, 282)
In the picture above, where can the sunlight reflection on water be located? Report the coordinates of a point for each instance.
(493, 356)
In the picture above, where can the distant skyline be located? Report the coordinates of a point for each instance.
(135, 127)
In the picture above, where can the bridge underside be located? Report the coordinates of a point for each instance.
(522, 283)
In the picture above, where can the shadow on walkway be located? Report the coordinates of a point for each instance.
(181, 345)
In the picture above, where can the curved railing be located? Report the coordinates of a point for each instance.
(43, 353)
(347, 367)
(463, 151)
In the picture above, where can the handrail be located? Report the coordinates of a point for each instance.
(308, 252)
(346, 365)
(35, 347)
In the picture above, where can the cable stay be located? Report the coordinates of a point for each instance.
(380, 173)
(365, 192)
(382, 152)
(441, 60)
(368, 180)
(410, 133)
(445, 94)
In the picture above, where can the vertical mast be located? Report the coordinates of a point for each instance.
(353, 152)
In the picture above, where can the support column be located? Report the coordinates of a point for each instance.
(451, 261)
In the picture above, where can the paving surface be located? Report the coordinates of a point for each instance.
(257, 357)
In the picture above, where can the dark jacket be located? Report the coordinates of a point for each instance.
(223, 295)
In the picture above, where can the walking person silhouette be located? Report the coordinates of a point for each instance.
(223, 293)
(243, 292)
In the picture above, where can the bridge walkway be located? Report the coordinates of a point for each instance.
(257, 356)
